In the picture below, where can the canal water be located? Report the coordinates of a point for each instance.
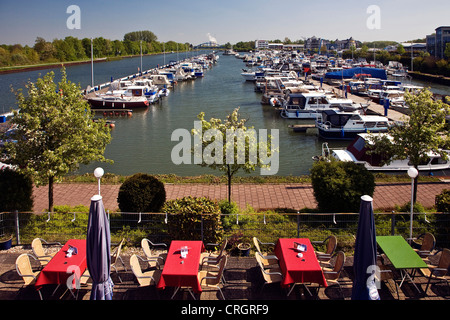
(142, 143)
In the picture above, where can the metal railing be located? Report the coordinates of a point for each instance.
(25, 226)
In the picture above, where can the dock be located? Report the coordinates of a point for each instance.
(302, 127)
(374, 108)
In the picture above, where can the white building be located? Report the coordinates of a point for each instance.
(261, 44)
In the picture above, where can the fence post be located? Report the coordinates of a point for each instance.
(298, 224)
(393, 223)
(17, 227)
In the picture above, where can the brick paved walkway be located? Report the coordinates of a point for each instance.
(259, 196)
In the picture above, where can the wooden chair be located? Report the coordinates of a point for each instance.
(332, 274)
(426, 247)
(115, 256)
(24, 269)
(439, 273)
(268, 260)
(209, 259)
(324, 257)
(147, 278)
(39, 252)
(386, 275)
(214, 279)
(269, 275)
(158, 260)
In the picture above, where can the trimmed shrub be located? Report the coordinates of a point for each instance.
(228, 207)
(141, 193)
(338, 186)
(417, 208)
(442, 201)
(186, 217)
(16, 191)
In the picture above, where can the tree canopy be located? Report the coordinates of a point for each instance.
(240, 151)
(74, 49)
(424, 132)
(55, 131)
(146, 36)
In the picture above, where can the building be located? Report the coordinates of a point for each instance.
(314, 43)
(264, 44)
(261, 44)
(346, 44)
(437, 42)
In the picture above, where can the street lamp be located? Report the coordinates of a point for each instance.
(98, 173)
(412, 172)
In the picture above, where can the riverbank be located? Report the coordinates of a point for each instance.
(114, 179)
(430, 78)
(16, 69)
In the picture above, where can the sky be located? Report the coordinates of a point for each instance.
(196, 21)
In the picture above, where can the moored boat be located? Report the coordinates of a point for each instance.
(357, 153)
(339, 125)
(117, 102)
(309, 105)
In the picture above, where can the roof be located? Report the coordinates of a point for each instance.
(350, 73)
(343, 155)
(374, 118)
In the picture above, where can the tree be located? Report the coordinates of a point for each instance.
(423, 133)
(241, 151)
(146, 36)
(400, 49)
(447, 50)
(45, 49)
(55, 131)
(16, 191)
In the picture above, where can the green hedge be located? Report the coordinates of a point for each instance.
(141, 193)
(185, 219)
(338, 186)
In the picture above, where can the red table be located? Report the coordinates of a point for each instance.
(60, 268)
(298, 270)
(180, 272)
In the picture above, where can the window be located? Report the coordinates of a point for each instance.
(359, 144)
(438, 160)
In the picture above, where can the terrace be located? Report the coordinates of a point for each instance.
(244, 279)
(243, 282)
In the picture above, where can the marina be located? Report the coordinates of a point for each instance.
(142, 137)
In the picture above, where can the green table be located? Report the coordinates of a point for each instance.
(402, 256)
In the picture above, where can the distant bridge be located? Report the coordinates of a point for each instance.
(208, 45)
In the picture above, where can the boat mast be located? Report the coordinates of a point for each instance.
(92, 63)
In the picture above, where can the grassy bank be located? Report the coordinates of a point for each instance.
(110, 178)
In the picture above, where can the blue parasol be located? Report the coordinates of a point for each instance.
(365, 259)
(98, 252)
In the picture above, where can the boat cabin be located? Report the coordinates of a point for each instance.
(357, 152)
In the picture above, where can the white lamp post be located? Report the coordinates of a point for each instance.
(98, 173)
(412, 172)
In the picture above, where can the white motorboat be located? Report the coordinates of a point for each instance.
(341, 125)
(137, 88)
(357, 153)
(309, 105)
